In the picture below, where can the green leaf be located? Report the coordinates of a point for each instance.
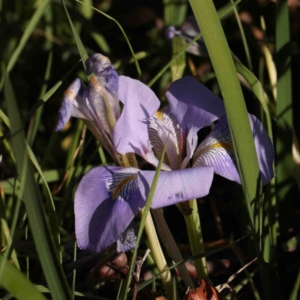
(178, 64)
(17, 284)
(27, 33)
(81, 48)
(175, 12)
(45, 246)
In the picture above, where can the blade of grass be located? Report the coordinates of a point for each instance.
(189, 259)
(222, 13)
(78, 41)
(27, 33)
(44, 244)
(38, 104)
(178, 65)
(17, 284)
(54, 227)
(237, 115)
(124, 34)
(244, 40)
(284, 124)
(7, 234)
(171, 246)
(50, 176)
(38, 115)
(147, 223)
(175, 12)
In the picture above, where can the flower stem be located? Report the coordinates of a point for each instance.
(158, 255)
(193, 225)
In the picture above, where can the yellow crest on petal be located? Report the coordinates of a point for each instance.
(120, 185)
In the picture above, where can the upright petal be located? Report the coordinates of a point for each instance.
(103, 90)
(191, 144)
(164, 128)
(176, 186)
(106, 201)
(193, 104)
(140, 104)
(217, 151)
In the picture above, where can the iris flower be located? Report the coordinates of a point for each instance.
(108, 198)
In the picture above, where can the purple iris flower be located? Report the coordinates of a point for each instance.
(108, 198)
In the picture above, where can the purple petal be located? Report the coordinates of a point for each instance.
(69, 106)
(164, 128)
(106, 201)
(217, 151)
(191, 144)
(103, 90)
(127, 241)
(264, 149)
(193, 104)
(140, 104)
(101, 66)
(176, 186)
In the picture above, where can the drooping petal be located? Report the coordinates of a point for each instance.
(70, 106)
(106, 201)
(127, 241)
(140, 104)
(176, 186)
(217, 151)
(264, 149)
(193, 104)
(103, 91)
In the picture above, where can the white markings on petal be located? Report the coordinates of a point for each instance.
(217, 151)
(164, 128)
(121, 183)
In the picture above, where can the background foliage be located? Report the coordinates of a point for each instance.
(43, 44)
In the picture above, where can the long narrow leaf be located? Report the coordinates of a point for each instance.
(44, 244)
(17, 284)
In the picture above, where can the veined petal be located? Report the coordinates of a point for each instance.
(193, 104)
(140, 104)
(191, 144)
(217, 151)
(127, 241)
(103, 90)
(71, 105)
(164, 127)
(106, 201)
(176, 186)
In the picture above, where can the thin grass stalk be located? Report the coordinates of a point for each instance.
(6, 235)
(147, 223)
(237, 115)
(193, 225)
(124, 34)
(27, 33)
(175, 12)
(284, 125)
(295, 291)
(269, 61)
(17, 284)
(36, 120)
(167, 239)
(244, 40)
(222, 13)
(38, 223)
